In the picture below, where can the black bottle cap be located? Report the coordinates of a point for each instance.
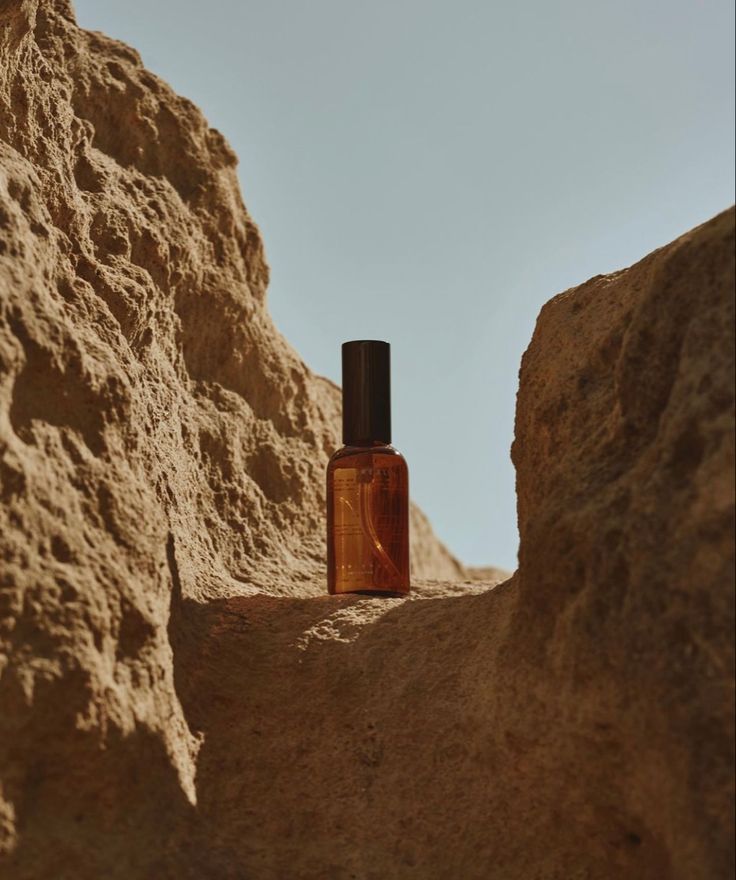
(366, 392)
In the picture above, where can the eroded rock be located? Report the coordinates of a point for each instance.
(146, 403)
(624, 454)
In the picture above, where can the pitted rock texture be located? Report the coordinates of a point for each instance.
(146, 401)
(624, 456)
(177, 698)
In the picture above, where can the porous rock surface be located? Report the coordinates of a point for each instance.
(624, 454)
(149, 412)
(178, 698)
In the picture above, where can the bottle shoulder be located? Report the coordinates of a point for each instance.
(347, 452)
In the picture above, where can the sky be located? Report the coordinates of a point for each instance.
(431, 173)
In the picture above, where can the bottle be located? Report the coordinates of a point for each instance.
(367, 482)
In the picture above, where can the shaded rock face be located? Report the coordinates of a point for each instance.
(624, 454)
(178, 698)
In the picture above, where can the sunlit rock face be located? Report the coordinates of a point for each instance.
(152, 421)
(178, 697)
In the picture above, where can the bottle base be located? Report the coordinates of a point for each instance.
(387, 594)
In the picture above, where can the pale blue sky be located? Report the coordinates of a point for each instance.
(431, 173)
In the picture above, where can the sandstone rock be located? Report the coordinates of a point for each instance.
(178, 698)
(486, 573)
(146, 403)
(624, 455)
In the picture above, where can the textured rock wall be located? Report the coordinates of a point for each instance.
(178, 698)
(624, 455)
(150, 415)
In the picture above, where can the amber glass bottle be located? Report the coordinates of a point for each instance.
(367, 482)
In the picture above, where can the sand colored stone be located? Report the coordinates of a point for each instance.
(177, 696)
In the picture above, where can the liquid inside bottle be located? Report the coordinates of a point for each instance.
(368, 521)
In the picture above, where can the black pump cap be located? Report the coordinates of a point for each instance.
(366, 392)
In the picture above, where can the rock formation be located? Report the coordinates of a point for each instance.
(177, 696)
(624, 455)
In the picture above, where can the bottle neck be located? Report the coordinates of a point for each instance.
(365, 444)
